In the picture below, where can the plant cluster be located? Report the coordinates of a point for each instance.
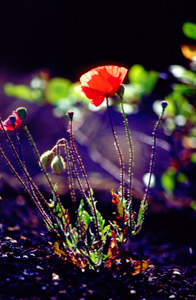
(87, 241)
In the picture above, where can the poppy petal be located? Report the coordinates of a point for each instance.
(98, 101)
(92, 93)
(101, 82)
(8, 123)
(93, 80)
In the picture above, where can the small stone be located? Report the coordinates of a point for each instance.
(176, 273)
(55, 276)
(63, 292)
(39, 267)
(21, 278)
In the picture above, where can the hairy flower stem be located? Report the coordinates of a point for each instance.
(130, 172)
(40, 209)
(19, 144)
(46, 175)
(21, 157)
(120, 160)
(151, 167)
(34, 188)
(144, 203)
(38, 158)
(63, 143)
(85, 176)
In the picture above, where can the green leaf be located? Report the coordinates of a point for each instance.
(171, 109)
(19, 91)
(68, 242)
(86, 217)
(168, 179)
(74, 237)
(142, 210)
(183, 89)
(106, 229)
(100, 220)
(57, 89)
(193, 158)
(182, 178)
(147, 80)
(182, 74)
(151, 81)
(189, 29)
(193, 205)
(137, 74)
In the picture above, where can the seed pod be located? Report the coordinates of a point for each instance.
(12, 120)
(46, 159)
(164, 104)
(58, 164)
(22, 113)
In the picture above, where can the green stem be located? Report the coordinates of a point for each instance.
(131, 154)
(34, 189)
(151, 167)
(144, 203)
(85, 177)
(39, 207)
(120, 160)
(46, 174)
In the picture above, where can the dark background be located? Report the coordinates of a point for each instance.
(69, 37)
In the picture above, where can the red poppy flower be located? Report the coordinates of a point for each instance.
(101, 82)
(15, 119)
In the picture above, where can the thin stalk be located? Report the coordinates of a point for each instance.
(21, 157)
(69, 173)
(120, 160)
(84, 174)
(18, 143)
(77, 176)
(46, 174)
(38, 158)
(40, 209)
(144, 203)
(151, 167)
(131, 161)
(28, 177)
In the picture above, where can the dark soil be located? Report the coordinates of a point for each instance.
(31, 270)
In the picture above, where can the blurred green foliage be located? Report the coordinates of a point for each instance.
(142, 80)
(189, 29)
(180, 124)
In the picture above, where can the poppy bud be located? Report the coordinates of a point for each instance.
(46, 158)
(22, 113)
(164, 104)
(120, 90)
(70, 114)
(12, 120)
(58, 164)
